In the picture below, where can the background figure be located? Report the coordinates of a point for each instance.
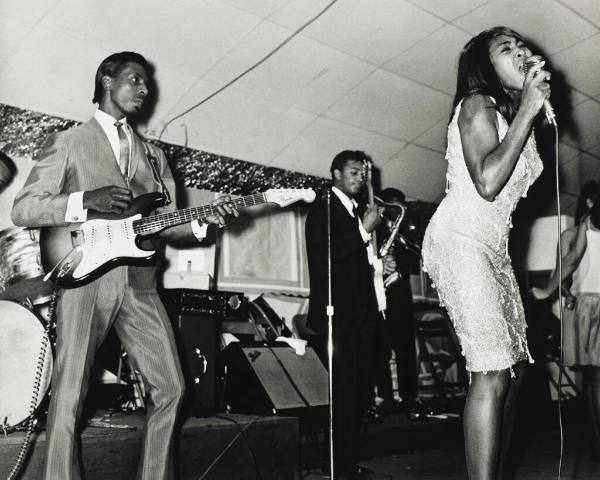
(492, 162)
(100, 166)
(353, 297)
(581, 320)
(398, 332)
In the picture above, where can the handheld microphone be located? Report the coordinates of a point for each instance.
(530, 63)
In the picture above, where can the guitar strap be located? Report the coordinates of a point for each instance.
(154, 165)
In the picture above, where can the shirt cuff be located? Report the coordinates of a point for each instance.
(366, 236)
(75, 211)
(199, 230)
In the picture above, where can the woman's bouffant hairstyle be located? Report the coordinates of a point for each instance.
(476, 74)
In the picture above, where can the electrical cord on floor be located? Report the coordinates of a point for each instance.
(228, 446)
(246, 442)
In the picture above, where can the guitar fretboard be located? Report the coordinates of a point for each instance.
(156, 223)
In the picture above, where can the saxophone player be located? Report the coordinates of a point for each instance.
(398, 333)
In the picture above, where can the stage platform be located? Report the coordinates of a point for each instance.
(111, 449)
(270, 447)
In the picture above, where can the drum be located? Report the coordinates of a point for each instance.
(21, 272)
(25, 363)
(19, 254)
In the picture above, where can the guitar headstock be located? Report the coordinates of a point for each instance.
(286, 196)
(368, 179)
(367, 171)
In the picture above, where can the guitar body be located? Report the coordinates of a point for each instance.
(77, 253)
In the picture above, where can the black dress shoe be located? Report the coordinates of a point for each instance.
(363, 472)
(405, 406)
(355, 473)
(373, 416)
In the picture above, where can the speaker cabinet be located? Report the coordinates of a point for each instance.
(262, 379)
(227, 306)
(198, 317)
(198, 342)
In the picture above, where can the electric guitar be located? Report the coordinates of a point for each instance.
(78, 253)
(375, 259)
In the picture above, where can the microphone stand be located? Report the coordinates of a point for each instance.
(329, 312)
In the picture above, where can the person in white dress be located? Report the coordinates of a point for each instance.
(492, 161)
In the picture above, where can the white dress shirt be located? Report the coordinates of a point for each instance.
(350, 204)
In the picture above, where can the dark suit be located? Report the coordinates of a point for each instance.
(81, 159)
(354, 324)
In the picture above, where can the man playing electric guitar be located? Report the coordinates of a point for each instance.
(100, 166)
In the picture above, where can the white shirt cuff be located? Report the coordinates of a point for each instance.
(75, 211)
(366, 236)
(199, 230)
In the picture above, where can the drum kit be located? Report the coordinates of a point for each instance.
(26, 325)
(27, 335)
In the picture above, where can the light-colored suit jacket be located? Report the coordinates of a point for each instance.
(82, 159)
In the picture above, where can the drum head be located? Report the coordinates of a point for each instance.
(22, 365)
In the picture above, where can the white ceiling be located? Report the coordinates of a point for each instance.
(375, 75)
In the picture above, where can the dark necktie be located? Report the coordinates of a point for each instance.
(123, 150)
(355, 212)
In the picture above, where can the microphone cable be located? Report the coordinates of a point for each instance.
(560, 300)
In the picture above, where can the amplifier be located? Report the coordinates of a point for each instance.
(225, 306)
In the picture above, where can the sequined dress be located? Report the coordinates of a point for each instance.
(465, 252)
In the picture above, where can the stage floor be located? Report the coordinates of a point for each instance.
(271, 447)
(223, 447)
(284, 447)
(433, 450)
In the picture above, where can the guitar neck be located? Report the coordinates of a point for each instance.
(156, 223)
(373, 233)
(371, 198)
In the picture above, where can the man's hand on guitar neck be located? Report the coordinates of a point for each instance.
(109, 199)
(372, 217)
(186, 234)
(225, 210)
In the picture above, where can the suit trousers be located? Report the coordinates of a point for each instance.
(84, 317)
(398, 335)
(353, 382)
